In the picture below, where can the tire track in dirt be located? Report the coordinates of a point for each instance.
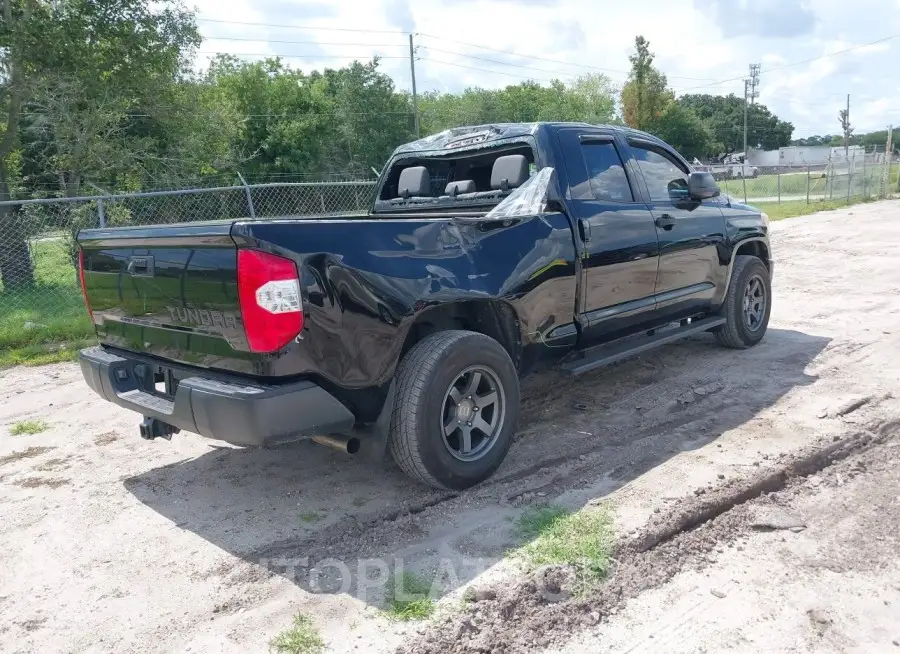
(540, 611)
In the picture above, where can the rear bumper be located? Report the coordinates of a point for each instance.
(232, 410)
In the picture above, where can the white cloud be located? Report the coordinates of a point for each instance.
(697, 45)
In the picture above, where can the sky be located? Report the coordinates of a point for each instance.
(703, 46)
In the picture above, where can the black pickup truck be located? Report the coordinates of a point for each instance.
(489, 250)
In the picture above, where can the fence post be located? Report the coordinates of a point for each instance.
(807, 184)
(779, 185)
(250, 206)
(865, 176)
(850, 176)
(744, 182)
(101, 213)
(830, 179)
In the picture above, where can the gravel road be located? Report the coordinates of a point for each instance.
(112, 543)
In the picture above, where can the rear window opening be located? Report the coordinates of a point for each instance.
(476, 178)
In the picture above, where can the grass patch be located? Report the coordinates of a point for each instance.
(301, 638)
(311, 517)
(28, 427)
(43, 353)
(360, 501)
(583, 540)
(784, 210)
(408, 598)
(30, 453)
(34, 321)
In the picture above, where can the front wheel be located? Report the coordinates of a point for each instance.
(455, 411)
(748, 304)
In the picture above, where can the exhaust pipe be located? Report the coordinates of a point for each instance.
(345, 444)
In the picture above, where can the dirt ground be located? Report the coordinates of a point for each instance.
(112, 543)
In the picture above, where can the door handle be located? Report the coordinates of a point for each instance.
(140, 267)
(585, 230)
(665, 221)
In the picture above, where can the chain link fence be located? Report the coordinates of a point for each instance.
(40, 296)
(862, 175)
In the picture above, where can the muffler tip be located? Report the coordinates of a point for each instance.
(348, 445)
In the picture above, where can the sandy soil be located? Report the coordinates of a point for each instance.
(826, 579)
(112, 543)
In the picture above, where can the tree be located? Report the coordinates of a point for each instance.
(723, 115)
(73, 74)
(646, 95)
(844, 120)
(589, 98)
(683, 130)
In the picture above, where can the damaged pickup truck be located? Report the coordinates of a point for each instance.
(489, 250)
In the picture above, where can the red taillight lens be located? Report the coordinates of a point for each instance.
(83, 285)
(269, 292)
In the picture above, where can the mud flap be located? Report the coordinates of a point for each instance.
(373, 438)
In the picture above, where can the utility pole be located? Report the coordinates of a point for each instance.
(754, 82)
(412, 71)
(746, 92)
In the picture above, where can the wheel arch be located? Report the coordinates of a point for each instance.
(494, 318)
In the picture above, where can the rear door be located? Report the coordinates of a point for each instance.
(691, 234)
(619, 239)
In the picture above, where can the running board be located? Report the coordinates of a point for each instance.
(603, 355)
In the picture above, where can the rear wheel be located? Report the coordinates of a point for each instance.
(748, 304)
(455, 411)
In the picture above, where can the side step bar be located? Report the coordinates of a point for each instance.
(603, 355)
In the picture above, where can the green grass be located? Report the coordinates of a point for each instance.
(312, 516)
(301, 638)
(46, 323)
(784, 210)
(583, 540)
(28, 427)
(408, 598)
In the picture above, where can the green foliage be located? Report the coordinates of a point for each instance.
(590, 98)
(683, 130)
(28, 427)
(723, 115)
(582, 540)
(646, 96)
(301, 638)
(47, 322)
(408, 597)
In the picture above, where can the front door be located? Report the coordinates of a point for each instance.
(618, 237)
(691, 234)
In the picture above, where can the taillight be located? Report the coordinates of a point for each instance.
(83, 285)
(269, 293)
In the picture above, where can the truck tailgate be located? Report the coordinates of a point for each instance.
(170, 291)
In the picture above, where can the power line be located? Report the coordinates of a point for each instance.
(796, 63)
(499, 63)
(547, 59)
(486, 70)
(300, 27)
(266, 40)
(300, 56)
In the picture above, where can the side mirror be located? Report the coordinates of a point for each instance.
(702, 186)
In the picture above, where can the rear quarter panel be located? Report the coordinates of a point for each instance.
(366, 280)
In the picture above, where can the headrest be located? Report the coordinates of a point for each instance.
(463, 186)
(414, 181)
(509, 172)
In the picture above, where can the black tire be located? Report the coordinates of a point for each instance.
(741, 331)
(424, 379)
